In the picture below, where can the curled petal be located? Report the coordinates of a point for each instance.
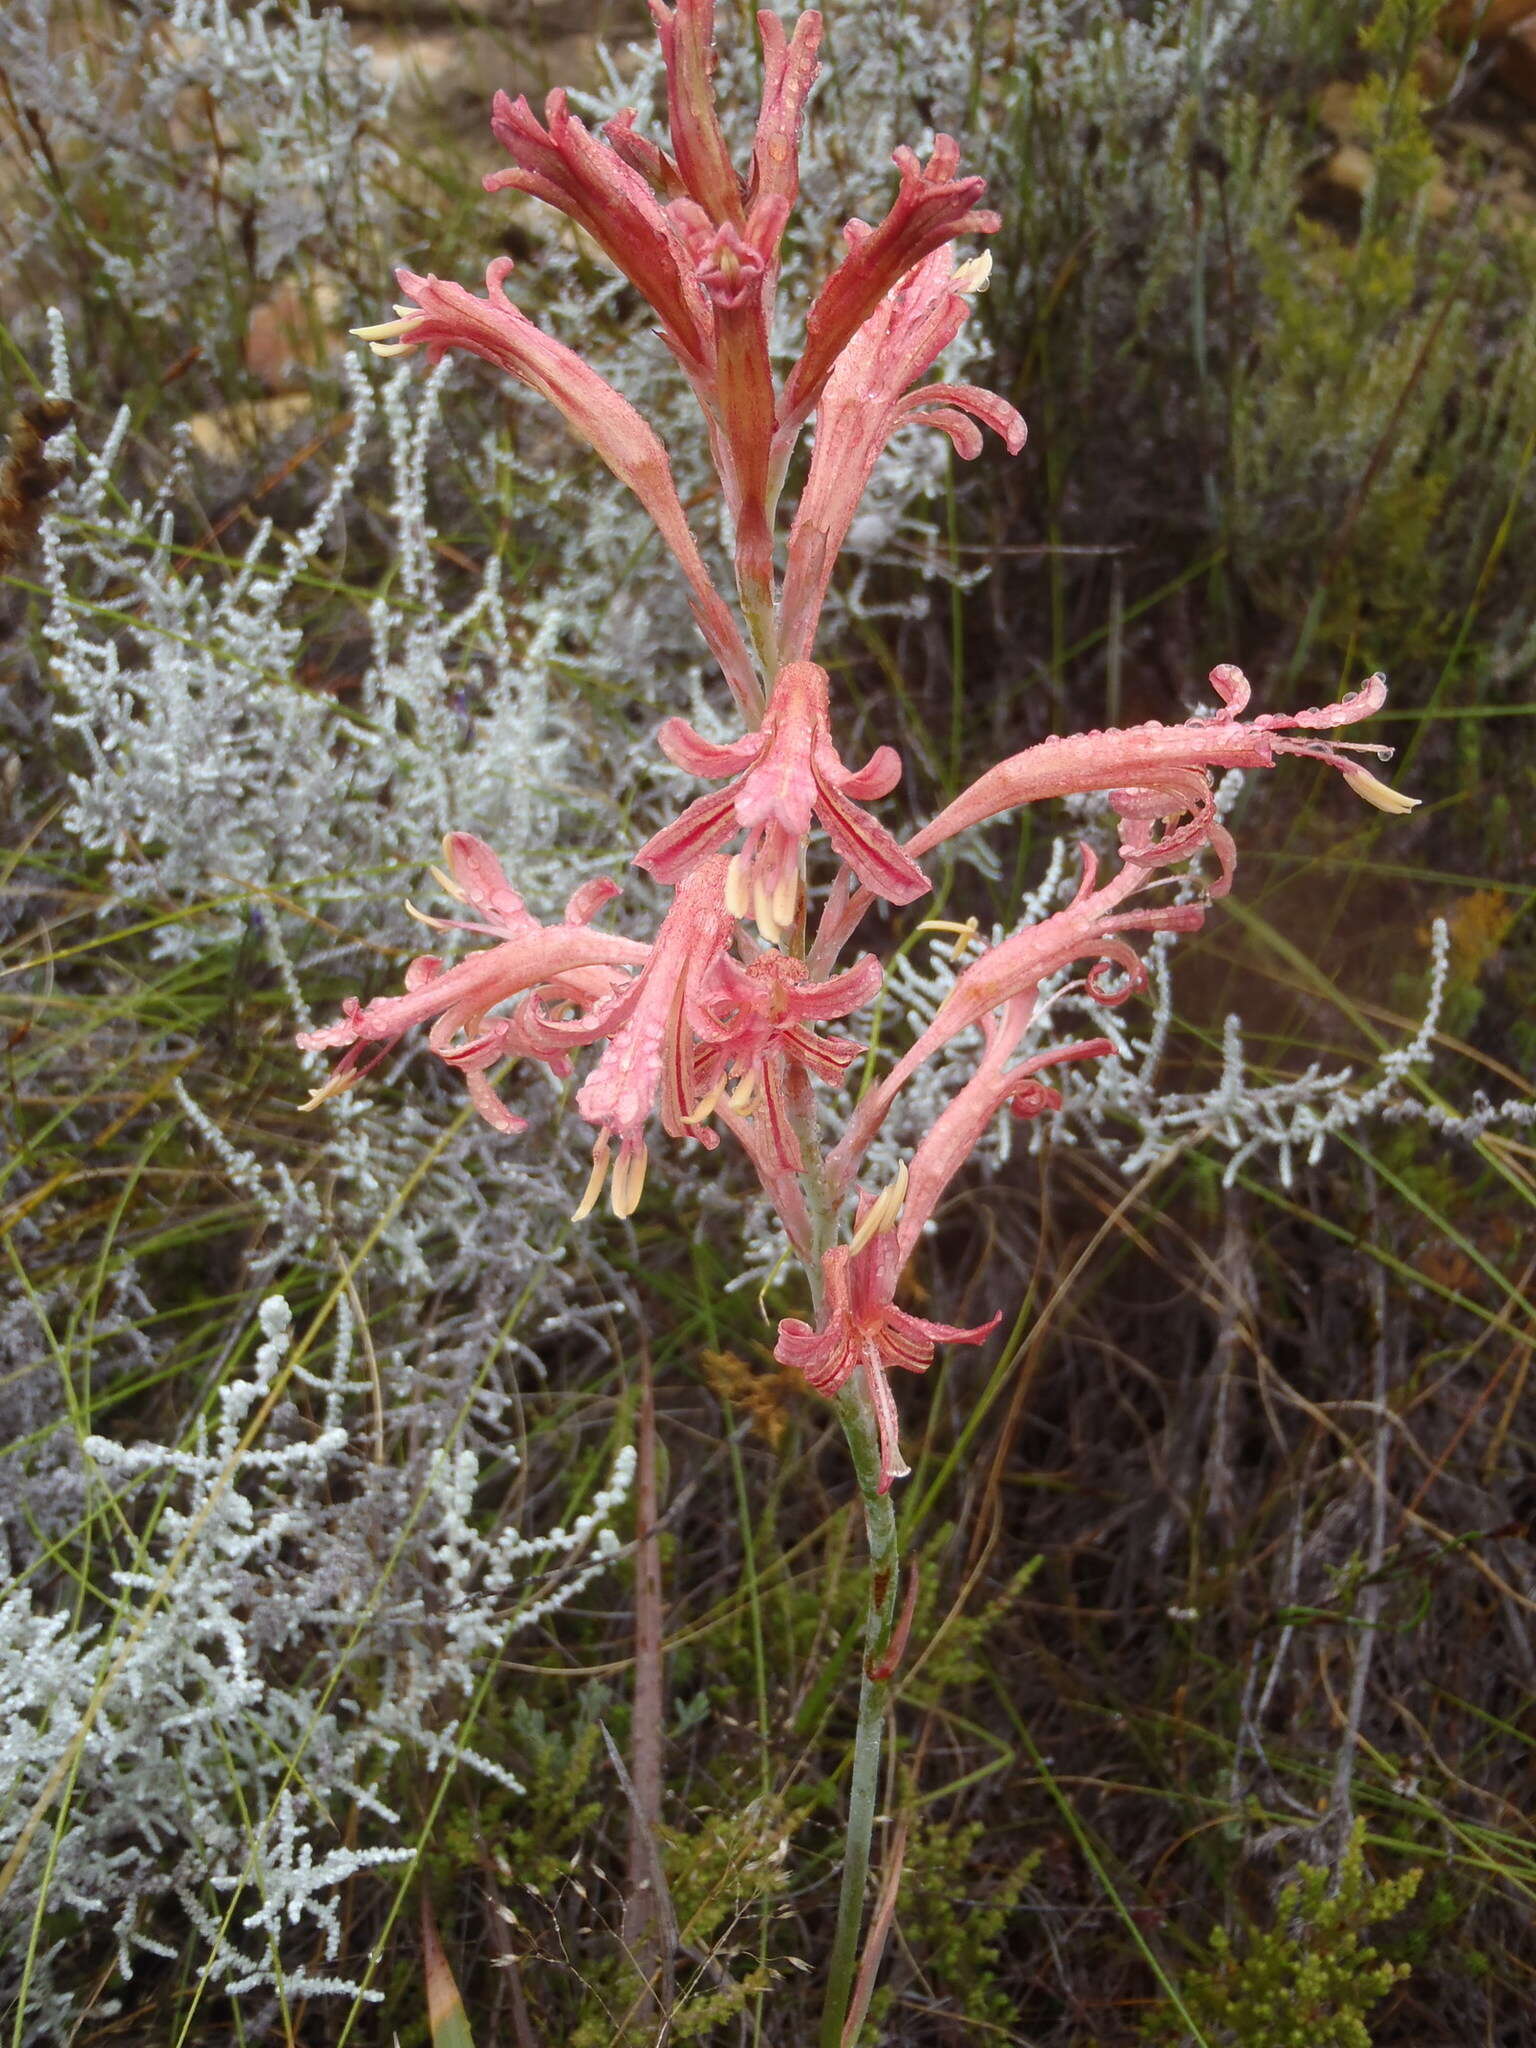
(1233, 688)
(491, 1107)
(1034, 1098)
(986, 406)
(841, 994)
(687, 750)
(819, 1356)
(917, 1332)
(878, 777)
(1357, 704)
(963, 434)
(1115, 953)
(589, 898)
(702, 829)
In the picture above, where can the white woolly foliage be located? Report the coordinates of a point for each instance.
(211, 772)
(237, 138)
(289, 1616)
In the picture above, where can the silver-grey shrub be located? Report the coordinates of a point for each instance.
(171, 149)
(206, 1745)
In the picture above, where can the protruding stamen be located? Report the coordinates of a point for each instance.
(628, 1179)
(336, 1083)
(964, 933)
(388, 331)
(973, 276)
(763, 911)
(446, 881)
(390, 337)
(1380, 794)
(743, 1092)
(738, 900)
(884, 1210)
(708, 1106)
(786, 894)
(599, 1174)
(438, 924)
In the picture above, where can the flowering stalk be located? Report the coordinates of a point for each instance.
(720, 1021)
(855, 1413)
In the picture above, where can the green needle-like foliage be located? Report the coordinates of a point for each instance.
(1310, 1979)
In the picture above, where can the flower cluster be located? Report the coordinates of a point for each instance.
(716, 1023)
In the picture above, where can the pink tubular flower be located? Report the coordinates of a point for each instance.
(862, 1331)
(932, 207)
(1161, 771)
(787, 772)
(1000, 991)
(733, 241)
(446, 316)
(651, 1026)
(757, 1028)
(1157, 775)
(872, 392)
(860, 1327)
(736, 270)
(568, 964)
(687, 33)
(604, 192)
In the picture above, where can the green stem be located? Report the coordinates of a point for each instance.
(853, 1408)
